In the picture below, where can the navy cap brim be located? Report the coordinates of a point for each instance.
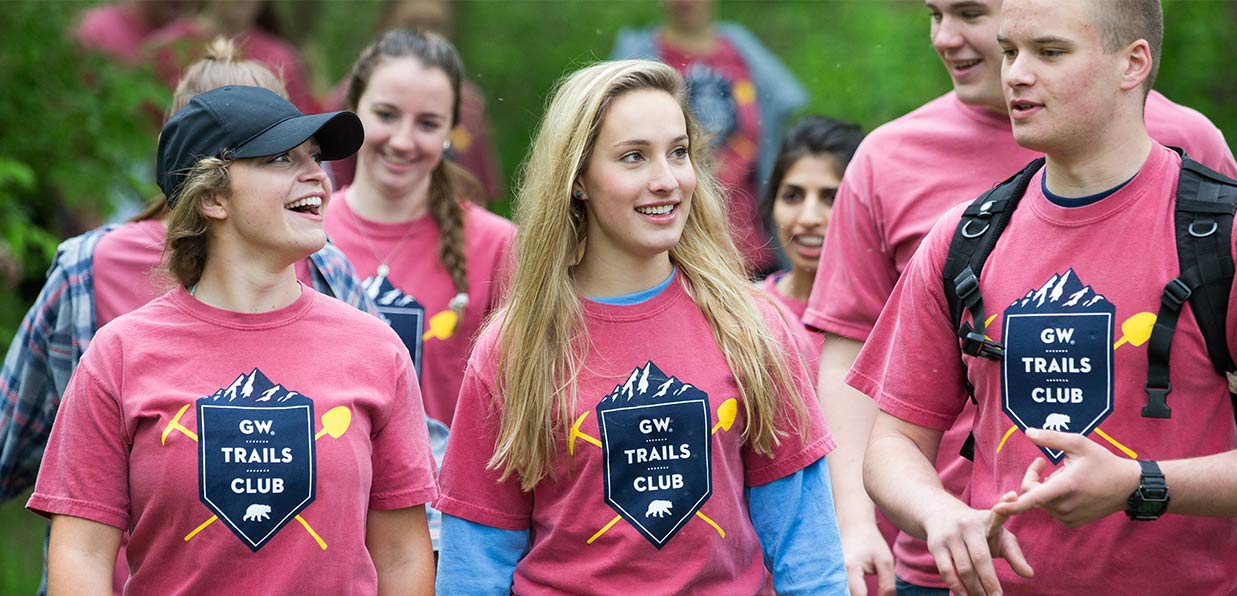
(339, 134)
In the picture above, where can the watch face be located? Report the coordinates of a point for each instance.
(1150, 507)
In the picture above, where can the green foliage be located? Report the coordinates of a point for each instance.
(75, 134)
(1197, 47)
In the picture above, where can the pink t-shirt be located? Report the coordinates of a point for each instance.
(242, 448)
(115, 30)
(1069, 287)
(903, 177)
(124, 269)
(417, 290)
(647, 494)
(814, 338)
(723, 99)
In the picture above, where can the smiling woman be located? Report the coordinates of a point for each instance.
(637, 187)
(631, 332)
(407, 222)
(204, 405)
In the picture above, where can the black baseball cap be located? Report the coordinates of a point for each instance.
(246, 122)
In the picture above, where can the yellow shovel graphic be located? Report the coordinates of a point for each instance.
(335, 422)
(442, 325)
(1136, 330)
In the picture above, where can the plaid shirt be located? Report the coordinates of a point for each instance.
(57, 330)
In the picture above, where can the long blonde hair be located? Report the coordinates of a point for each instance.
(541, 330)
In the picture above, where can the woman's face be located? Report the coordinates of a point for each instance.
(406, 111)
(638, 182)
(801, 209)
(277, 204)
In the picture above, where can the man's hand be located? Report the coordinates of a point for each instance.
(1092, 483)
(964, 542)
(867, 553)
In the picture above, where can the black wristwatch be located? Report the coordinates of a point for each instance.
(1150, 499)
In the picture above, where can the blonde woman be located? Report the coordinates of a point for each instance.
(245, 430)
(635, 419)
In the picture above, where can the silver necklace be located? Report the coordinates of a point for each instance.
(383, 269)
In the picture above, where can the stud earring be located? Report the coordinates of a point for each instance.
(446, 145)
(579, 194)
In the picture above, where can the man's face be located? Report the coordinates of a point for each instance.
(964, 35)
(1062, 91)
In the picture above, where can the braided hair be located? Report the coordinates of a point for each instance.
(448, 181)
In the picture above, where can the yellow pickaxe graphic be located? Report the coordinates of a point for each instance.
(1135, 331)
(726, 414)
(335, 422)
(176, 425)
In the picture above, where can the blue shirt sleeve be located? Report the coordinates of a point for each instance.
(477, 559)
(798, 532)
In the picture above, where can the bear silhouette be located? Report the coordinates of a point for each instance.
(659, 508)
(257, 512)
(1057, 421)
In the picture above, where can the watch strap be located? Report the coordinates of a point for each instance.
(1150, 499)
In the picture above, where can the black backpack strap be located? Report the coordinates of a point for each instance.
(1203, 218)
(976, 235)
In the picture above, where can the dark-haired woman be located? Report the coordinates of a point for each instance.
(796, 208)
(429, 256)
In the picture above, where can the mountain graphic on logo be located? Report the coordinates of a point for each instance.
(253, 387)
(645, 384)
(1061, 293)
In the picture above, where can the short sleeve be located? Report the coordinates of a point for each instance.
(911, 364)
(85, 470)
(857, 271)
(468, 488)
(803, 442)
(402, 464)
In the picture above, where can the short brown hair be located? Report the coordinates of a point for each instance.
(1121, 22)
(185, 246)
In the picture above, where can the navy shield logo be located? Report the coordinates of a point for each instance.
(402, 312)
(655, 438)
(1057, 373)
(256, 456)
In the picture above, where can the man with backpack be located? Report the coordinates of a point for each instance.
(1068, 336)
(904, 176)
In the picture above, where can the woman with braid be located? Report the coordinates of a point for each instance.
(428, 256)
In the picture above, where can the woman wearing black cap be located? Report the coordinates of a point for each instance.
(235, 426)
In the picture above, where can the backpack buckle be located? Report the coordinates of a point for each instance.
(975, 344)
(966, 285)
(1157, 406)
(1176, 293)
